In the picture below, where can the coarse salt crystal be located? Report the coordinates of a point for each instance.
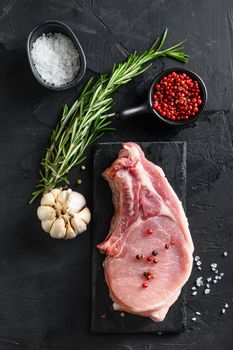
(207, 291)
(207, 285)
(222, 274)
(199, 267)
(215, 281)
(55, 58)
(225, 254)
(214, 265)
(199, 282)
(226, 306)
(197, 258)
(223, 311)
(198, 263)
(194, 293)
(194, 319)
(194, 288)
(198, 313)
(209, 279)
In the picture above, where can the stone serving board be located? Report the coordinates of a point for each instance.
(171, 156)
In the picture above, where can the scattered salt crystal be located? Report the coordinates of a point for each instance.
(213, 265)
(222, 274)
(209, 279)
(199, 267)
(194, 293)
(122, 314)
(223, 311)
(226, 306)
(199, 282)
(194, 288)
(198, 313)
(216, 271)
(198, 263)
(206, 291)
(207, 285)
(194, 319)
(56, 59)
(215, 281)
(197, 258)
(225, 254)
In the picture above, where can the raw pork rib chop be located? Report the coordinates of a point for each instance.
(148, 218)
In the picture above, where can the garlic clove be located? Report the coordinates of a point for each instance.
(62, 197)
(55, 192)
(46, 213)
(70, 233)
(85, 215)
(47, 199)
(47, 224)
(58, 229)
(75, 202)
(78, 224)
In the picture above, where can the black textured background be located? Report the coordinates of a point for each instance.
(45, 285)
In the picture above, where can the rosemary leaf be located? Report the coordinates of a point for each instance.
(88, 118)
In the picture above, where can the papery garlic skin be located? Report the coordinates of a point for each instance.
(48, 199)
(79, 225)
(63, 213)
(46, 213)
(47, 225)
(58, 229)
(75, 202)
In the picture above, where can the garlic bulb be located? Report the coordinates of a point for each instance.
(63, 213)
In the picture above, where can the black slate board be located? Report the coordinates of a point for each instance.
(171, 156)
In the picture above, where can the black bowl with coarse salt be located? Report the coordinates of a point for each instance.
(53, 26)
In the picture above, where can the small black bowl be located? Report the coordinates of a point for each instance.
(55, 27)
(147, 106)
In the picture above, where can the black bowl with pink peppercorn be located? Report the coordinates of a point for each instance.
(177, 96)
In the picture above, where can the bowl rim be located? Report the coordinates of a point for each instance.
(192, 75)
(72, 36)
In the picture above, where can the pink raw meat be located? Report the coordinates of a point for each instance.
(144, 200)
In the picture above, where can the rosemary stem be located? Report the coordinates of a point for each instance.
(88, 118)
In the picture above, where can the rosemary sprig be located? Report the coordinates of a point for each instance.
(88, 118)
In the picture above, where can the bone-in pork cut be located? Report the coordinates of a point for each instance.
(149, 247)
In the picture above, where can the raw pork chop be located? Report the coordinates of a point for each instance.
(149, 245)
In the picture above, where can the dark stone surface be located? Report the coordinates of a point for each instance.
(45, 285)
(171, 156)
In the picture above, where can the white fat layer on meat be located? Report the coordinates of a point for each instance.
(146, 181)
(130, 193)
(116, 220)
(158, 314)
(164, 209)
(133, 151)
(167, 301)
